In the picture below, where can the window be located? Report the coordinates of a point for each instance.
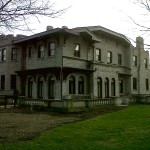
(119, 59)
(106, 87)
(134, 83)
(113, 91)
(29, 52)
(121, 86)
(14, 54)
(41, 51)
(147, 84)
(98, 54)
(3, 82)
(99, 87)
(72, 85)
(145, 62)
(13, 82)
(77, 50)
(51, 85)
(51, 49)
(109, 57)
(3, 54)
(134, 60)
(40, 87)
(30, 87)
(81, 85)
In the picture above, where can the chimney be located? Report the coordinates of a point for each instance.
(64, 27)
(49, 28)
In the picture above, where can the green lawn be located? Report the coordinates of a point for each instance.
(125, 129)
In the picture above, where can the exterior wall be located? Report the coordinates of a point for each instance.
(139, 71)
(69, 59)
(57, 89)
(79, 66)
(65, 88)
(48, 61)
(8, 66)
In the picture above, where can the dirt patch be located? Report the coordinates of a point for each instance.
(20, 126)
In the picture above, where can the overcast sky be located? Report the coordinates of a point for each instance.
(111, 14)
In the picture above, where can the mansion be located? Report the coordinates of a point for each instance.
(80, 63)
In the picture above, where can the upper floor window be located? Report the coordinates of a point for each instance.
(51, 49)
(119, 59)
(134, 83)
(29, 52)
(98, 54)
(14, 54)
(41, 51)
(77, 50)
(145, 62)
(134, 60)
(109, 57)
(3, 55)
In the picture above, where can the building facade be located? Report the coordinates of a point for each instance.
(79, 63)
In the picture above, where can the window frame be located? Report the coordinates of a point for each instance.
(134, 83)
(134, 60)
(41, 50)
(145, 63)
(72, 85)
(77, 50)
(40, 87)
(14, 53)
(29, 52)
(109, 57)
(30, 87)
(98, 55)
(2, 82)
(147, 83)
(13, 81)
(119, 59)
(51, 50)
(81, 85)
(3, 54)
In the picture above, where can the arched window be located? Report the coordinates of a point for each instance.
(113, 91)
(121, 86)
(51, 87)
(72, 85)
(99, 87)
(40, 87)
(30, 87)
(107, 87)
(81, 85)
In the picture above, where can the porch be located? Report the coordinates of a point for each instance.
(67, 105)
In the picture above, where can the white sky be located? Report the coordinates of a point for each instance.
(111, 14)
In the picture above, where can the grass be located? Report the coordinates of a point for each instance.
(127, 129)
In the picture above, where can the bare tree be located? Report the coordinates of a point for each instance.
(15, 14)
(141, 20)
(145, 5)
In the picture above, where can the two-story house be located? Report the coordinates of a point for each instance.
(77, 64)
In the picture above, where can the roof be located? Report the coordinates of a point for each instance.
(89, 31)
(46, 33)
(105, 31)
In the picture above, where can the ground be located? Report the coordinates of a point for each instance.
(21, 124)
(24, 126)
